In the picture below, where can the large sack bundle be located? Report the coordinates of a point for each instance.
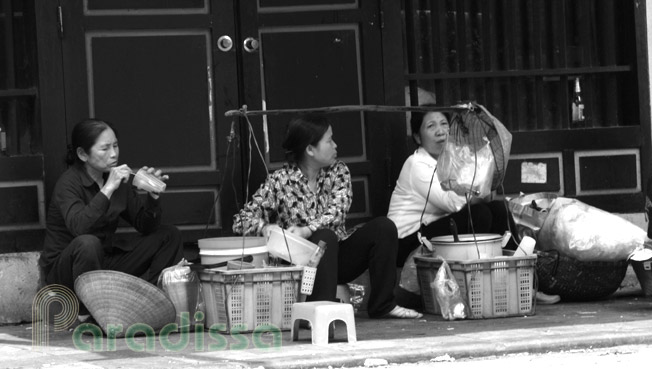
(586, 233)
(582, 252)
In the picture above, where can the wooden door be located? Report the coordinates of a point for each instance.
(154, 69)
(300, 54)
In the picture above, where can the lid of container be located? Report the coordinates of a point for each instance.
(210, 275)
(479, 237)
(231, 242)
(247, 251)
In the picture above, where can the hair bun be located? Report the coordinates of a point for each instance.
(71, 155)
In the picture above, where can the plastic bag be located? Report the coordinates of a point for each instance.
(409, 276)
(356, 293)
(586, 233)
(500, 141)
(183, 287)
(462, 169)
(530, 211)
(451, 303)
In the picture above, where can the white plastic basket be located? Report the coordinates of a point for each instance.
(249, 298)
(493, 288)
(308, 280)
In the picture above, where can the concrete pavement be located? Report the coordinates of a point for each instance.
(623, 319)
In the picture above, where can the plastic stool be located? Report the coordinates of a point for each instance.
(343, 294)
(321, 314)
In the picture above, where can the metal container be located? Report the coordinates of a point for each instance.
(470, 246)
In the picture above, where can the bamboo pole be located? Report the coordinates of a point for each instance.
(349, 108)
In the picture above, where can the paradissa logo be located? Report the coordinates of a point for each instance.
(57, 306)
(263, 336)
(53, 306)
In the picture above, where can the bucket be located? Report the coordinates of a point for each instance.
(643, 270)
(489, 245)
(216, 256)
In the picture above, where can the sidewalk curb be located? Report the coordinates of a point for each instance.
(487, 344)
(620, 321)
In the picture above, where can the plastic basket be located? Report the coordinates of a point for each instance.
(246, 299)
(308, 280)
(575, 280)
(494, 288)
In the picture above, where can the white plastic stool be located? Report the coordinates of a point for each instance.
(321, 314)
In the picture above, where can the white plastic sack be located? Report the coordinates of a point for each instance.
(182, 285)
(587, 233)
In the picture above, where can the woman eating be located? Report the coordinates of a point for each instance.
(88, 201)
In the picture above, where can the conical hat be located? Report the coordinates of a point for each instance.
(118, 298)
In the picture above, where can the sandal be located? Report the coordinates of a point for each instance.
(545, 299)
(399, 312)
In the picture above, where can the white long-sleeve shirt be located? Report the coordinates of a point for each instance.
(409, 196)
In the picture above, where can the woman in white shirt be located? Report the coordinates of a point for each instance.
(419, 204)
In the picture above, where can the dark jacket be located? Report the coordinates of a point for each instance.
(78, 207)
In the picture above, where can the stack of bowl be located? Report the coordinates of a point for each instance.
(290, 247)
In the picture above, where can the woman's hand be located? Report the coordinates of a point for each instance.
(452, 185)
(303, 232)
(117, 175)
(157, 173)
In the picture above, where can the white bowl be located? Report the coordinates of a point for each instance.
(217, 256)
(300, 249)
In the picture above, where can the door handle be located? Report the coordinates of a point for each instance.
(224, 43)
(250, 44)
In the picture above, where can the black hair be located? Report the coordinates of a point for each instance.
(416, 119)
(304, 130)
(84, 135)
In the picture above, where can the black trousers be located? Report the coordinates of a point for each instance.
(373, 247)
(489, 217)
(145, 257)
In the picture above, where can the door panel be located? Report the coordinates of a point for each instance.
(150, 68)
(312, 56)
(314, 68)
(129, 85)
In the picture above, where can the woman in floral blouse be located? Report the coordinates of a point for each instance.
(310, 197)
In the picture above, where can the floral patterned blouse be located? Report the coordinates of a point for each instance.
(286, 196)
